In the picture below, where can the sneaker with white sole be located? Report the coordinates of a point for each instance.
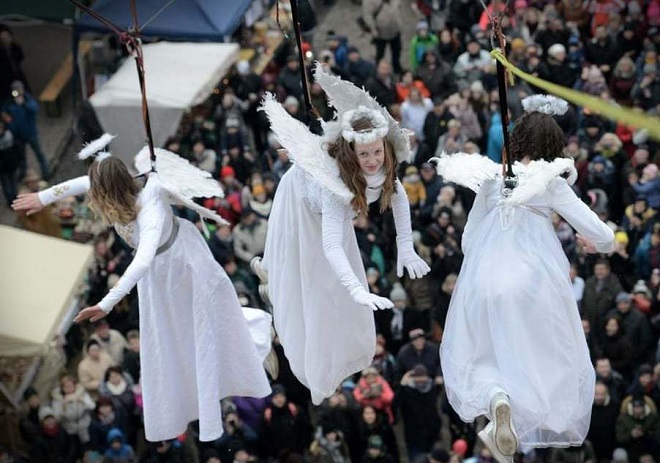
(504, 434)
(486, 435)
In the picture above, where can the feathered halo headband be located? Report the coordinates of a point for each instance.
(546, 104)
(379, 130)
(96, 148)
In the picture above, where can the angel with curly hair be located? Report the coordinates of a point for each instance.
(322, 307)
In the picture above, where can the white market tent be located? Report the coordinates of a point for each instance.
(178, 76)
(39, 278)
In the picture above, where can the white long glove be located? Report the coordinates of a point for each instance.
(334, 214)
(406, 256)
(361, 296)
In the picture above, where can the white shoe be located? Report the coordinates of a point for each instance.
(504, 435)
(486, 435)
(255, 266)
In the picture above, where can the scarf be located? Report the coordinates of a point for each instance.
(333, 449)
(374, 185)
(116, 389)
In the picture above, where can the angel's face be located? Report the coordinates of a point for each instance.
(371, 156)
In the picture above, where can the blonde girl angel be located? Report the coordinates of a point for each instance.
(195, 344)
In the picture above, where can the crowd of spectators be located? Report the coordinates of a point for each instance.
(445, 92)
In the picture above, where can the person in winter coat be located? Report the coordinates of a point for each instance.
(21, 114)
(358, 69)
(8, 163)
(376, 452)
(54, 444)
(615, 345)
(600, 291)
(284, 426)
(374, 424)
(422, 41)
(118, 450)
(383, 18)
(635, 327)
(105, 418)
(249, 236)
(329, 446)
(637, 427)
(373, 390)
(73, 408)
(417, 398)
(436, 75)
(602, 431)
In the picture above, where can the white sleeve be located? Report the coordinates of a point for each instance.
(580, 217)
(151, 222)
(73, 187)
(333, 215)
(401, 213)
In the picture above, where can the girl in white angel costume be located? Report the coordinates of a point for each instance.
(316, 278)
(513, 348)
(195, 343)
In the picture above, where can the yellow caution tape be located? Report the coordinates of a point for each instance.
(616, 113)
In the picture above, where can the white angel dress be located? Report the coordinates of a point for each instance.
(195, 341)
(313, 261)
(513, 324)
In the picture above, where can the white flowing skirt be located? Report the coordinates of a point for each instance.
(325, 335)
(195, 344)
(513, 326)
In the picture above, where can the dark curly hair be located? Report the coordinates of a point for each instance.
(538, 136)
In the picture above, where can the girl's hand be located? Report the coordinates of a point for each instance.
(588, 246)
(93, 314)
(27, 202)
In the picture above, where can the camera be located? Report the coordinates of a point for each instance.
(15, 93)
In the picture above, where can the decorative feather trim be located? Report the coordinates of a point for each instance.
(344, 97)
(379, 130)
(537, 176)
(468, 170)
(546, 104)
(101, 155)
(95, 146)
(305, 149)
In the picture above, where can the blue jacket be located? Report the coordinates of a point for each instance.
(23, 117)
(124, 454)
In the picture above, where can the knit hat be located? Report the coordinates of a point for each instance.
(227, 171)
(517, 44)
(398, 293)
(29, 392)
(44, 412)
(422, 25)
(622, 297)
(459, 447)
(369, 371)
(278, 389)
(410, 170)
(640, 287)
(258, 189)
(621, 237)
(375, 442)
(419, 370)
(556, 49)
(416, 333)
(620, 456)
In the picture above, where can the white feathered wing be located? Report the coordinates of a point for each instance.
(468, 170)
(183, 181)
(473, 170)
(305, 148)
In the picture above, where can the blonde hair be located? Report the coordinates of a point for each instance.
(351, 173)
(113, 191)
